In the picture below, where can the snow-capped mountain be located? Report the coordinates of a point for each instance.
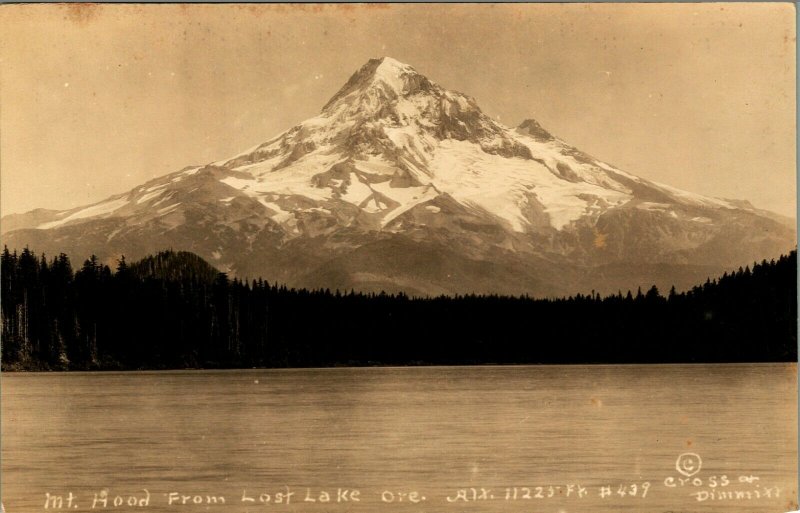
(400, 184)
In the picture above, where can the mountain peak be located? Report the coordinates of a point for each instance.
(384, 68)
(385, 77)
(390, 72)
(387, 63)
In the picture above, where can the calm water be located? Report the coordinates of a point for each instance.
(392, 431)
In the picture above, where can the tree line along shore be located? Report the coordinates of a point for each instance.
(173, 310)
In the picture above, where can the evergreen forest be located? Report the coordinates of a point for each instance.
(173, 310)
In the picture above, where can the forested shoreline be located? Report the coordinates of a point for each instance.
(173, 310)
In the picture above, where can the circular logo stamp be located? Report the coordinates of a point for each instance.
(688, 464)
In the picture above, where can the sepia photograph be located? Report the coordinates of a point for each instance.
(398, 258)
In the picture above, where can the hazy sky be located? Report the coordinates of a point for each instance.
(95, 100)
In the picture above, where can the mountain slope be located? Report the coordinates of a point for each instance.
(396, 167)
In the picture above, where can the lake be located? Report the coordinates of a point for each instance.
(530, 439)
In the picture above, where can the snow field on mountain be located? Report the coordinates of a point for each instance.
(293, 179)
(103, 208)
(499, 185)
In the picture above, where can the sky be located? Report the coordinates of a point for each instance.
(97, 99)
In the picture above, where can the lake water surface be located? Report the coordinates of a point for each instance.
(532, 439)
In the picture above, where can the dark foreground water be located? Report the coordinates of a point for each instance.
(681, 438)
